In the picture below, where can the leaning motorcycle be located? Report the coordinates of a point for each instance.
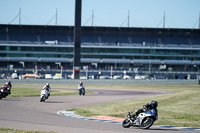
(3, 93)
(144, 120)
(81, 90)
(44, 95)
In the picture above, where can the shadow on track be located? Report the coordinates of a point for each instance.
(161, 129)
(54, 102)
(158, 129)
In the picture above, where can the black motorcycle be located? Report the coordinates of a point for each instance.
(3, 93)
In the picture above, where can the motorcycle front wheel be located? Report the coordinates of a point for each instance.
(42, 99)
(126, 123)
(147, 122)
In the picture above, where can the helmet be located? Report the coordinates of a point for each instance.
(47, 84)
(6, 83)
(154, 104)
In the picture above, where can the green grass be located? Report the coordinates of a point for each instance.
(181, 108)
(29, 92)
(52, 85)
(6, 130)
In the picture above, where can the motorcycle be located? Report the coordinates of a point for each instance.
(81, 90)
(44, 95)
(3, 93)
(144, 120)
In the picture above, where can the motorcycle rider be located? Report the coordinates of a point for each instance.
(48, 88)
(6, 88)
(9, 85)
(147, 107)
(81, 85)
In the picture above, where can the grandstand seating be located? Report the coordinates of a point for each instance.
(177, 61)
(145, 61)
(112, 36)
(88, 60)
(116, 60)
(196, 62)
(123, 47)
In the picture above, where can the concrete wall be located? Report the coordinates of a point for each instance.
(102, 82)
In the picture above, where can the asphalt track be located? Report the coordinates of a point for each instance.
(29, 114)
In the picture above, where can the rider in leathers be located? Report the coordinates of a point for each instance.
(147, 107)
(6, 88)
(81, 85)
(9, 85)
(48, 88)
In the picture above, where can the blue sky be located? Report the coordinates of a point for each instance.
(143, 13)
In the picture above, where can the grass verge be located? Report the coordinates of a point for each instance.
(6, 130)
(177, 109)
(28, 92)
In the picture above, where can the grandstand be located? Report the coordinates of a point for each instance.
(146, 49)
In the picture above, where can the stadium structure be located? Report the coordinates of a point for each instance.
(150, 50)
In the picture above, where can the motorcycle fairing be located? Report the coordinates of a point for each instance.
(152, 113)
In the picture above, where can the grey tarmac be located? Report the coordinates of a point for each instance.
(29, 114)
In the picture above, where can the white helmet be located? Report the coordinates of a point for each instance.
(47, 84)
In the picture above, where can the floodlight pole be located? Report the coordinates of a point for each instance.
(56, 17)
(20, 16)
(128, 18)
(92, 18)
(164, 20)
(77, 39)
(199, 20)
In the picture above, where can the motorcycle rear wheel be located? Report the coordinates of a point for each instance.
(126, 123)
(147, 123)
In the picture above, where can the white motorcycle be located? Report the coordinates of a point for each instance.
(81, 90)
(44, 95)
(144, 120)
